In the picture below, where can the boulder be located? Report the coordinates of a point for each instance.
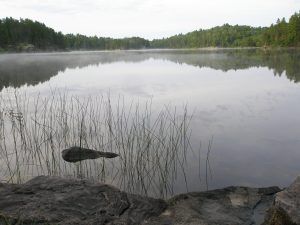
(286, 207)
(58, 201)
(52, 200)
(228, 206)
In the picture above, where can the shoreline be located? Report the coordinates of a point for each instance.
(204, 49)
(54, 200)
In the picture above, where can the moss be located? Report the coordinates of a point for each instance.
(277, 216)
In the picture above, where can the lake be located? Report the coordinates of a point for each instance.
(234, 112)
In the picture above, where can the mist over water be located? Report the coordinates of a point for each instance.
(246, 101)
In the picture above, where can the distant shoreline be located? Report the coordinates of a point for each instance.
(152, 50)
(25, 35)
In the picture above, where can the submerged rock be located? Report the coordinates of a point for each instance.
(76, 154)
(286, 207)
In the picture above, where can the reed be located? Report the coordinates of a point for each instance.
(152, 144)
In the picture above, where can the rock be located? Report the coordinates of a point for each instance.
(286, 207)
(228, 206)
(52, 200)
(58, 201)
(76, 154)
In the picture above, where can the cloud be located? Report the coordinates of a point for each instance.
(51, 7)
(146, 18)
(76, 6)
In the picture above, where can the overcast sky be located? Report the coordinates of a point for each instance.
(146, 18)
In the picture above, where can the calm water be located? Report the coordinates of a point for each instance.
(247, 101)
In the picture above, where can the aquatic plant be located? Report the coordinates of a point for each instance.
(152, 144)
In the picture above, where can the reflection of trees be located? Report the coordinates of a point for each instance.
(284, 60)
(16, 73)
(17, 70)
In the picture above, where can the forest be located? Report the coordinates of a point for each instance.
(27, 35)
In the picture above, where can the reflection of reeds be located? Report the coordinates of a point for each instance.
(208, 169)
(152, 145)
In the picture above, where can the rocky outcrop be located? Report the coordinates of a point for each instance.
(53, 200)
(228, 206)
(286, 207)
(58, 201)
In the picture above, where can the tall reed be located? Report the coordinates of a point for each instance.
(152, 143)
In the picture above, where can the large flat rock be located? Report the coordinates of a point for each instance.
(53, 200)
(228, 206)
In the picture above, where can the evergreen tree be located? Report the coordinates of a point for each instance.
(25, 34)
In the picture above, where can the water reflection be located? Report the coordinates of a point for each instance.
(236, 96)
(19, 69)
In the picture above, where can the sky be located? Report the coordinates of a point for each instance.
(146, 18)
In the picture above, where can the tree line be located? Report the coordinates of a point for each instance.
(281, 34)
(25, 33)
(28, 35)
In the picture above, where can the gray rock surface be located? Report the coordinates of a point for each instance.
(53, 200)
(228, 206)
(286, 207)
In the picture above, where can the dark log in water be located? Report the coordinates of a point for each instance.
(76, 154)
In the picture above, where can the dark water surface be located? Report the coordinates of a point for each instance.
(247, 101)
